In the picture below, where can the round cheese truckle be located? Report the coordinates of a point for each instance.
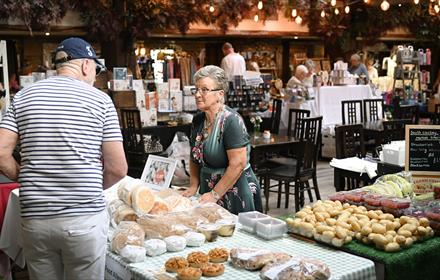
(142, 200)
(159, 207)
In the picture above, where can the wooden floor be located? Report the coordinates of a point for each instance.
(325, 184)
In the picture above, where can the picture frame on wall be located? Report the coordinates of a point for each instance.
(158, 172)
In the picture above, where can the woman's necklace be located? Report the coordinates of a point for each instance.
(208, 124)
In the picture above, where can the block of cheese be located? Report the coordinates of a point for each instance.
(142, 199)
(159, 207)
(126, 188)
(127, 233)
(155, 247)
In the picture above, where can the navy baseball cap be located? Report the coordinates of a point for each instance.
(77, 48)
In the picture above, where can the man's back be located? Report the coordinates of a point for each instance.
(233, 64)
(61, 123)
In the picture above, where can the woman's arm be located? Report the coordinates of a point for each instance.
(194, 179)
(237, 159)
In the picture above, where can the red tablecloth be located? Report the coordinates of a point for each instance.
(5, 191)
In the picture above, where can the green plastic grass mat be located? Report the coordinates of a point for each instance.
(420, 261)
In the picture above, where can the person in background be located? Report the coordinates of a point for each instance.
(308, 81)
(219, 165)
(13, 83)
(253, 63)
(301, 73)
(71, 148)
(233, 63)
(372, 71)
(358, 68)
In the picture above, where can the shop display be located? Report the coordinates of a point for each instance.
(175, 243)
(189, 273)
(197, 259)
(127, 233)
(218, 255)
(213, 269)
(295, 268)
(155, 247)
(254, 259)
(176, 263)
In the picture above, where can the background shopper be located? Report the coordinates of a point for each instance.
(233, 63)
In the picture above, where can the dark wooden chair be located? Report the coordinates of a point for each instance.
(352, 111)
(349, 143)
(275, 118)
(394, 130)
(373, 109)
(437, 109)
(408, 112)
(294, 124)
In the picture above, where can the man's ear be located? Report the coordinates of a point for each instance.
(84, 67)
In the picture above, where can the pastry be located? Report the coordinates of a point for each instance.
(175, 263)
(189, 273)
(218, 255)
(194, 239)
(213, 269)
(142, 199)
(155, 247)
(175, 243)
(197, 259)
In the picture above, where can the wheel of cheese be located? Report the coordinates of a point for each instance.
(126, 188)
(142, 200)
(124, 213)
(160, 207)
(178, 203)
(127, 233)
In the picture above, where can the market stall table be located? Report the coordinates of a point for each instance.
(343, 266)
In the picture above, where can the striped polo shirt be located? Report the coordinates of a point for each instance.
(62, 123)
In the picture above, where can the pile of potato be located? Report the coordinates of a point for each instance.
(335, 223)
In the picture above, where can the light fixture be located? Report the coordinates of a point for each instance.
(136, 51)
(436, 9)
(295, 37)
(385, 5)
(333, 3)
(143, 51)
(256, 18)
(366, 1)
(294, 13)
(416, 2)
(47, 33)
(298, 20)
(336, 11)
(347, 9)
(322, 13)
(211, 8)
(260, 5)
(400, 5)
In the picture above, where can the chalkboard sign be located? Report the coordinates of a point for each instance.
(423, 149)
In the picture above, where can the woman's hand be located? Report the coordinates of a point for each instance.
(207, 197)
(191, 191)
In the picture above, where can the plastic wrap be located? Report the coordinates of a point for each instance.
(155, 247)
(295, 268)
(402, 180)
(249, 219)
(127, 233)
(133, 253)
(175, 243)
(254, 259)
(271, 228)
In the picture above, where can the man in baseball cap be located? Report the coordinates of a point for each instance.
(76, 48)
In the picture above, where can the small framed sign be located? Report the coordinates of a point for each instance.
(158, 172)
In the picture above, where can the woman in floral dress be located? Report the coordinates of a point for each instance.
(219, 165)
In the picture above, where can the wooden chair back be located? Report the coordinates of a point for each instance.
(394, 130)
(408, 112)
(294, 125)
(352, 111)
(275, 118)
(349, 141)
(373, 109)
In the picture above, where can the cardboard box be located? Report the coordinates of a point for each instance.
(431, 104)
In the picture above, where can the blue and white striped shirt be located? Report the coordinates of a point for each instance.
(62, 123)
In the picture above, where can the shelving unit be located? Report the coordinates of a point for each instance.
(5, 78)
(247, 98)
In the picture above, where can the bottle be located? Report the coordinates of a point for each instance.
(428, 57)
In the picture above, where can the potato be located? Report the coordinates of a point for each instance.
(424, 222)
(374, 221)
(413, 221)
(358, 236)
(403, 220)
(366, 230)
(371, 236)
(362, 209)
(362, 217)
(363, 223)
(310, 218)
(346, 205)
(319, 216)
(322, 228)
(319, 209)
(341, 232)
(390, 226)
(337, 242)
(389, 237)
(317, 236)
(392, 247)
(392, 232)
(343, 224)
(380, 240)
(354, 225)
(348, 239)
(366, 240)
(400, 239)
(386, 217)
(378, 212)
(378, 228)
(301, 214)
(306, 226)
(372, 215)
(405, 233)
(327, 236)
(430, 231)
(334, 213)
(409, 241)
(396, 225)
(330, 221)
(422, 231)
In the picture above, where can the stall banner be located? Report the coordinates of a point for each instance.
(176, 101)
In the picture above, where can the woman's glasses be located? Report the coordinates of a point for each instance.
(203, 91)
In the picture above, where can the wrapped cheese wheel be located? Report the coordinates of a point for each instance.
(126, 188)
(159, 207)
(175, 243)
(124, 213)
(127, 233)
(155, 247)
(113, 206)
(142, 199)
(178, 203)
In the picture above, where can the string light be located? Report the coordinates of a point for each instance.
(136, 51)
(366, 1)
(211, 8)
(385, 5)
(47, 34)
(298, 20)
(260, 5)
(143, 51)
(333, 3)
(256, 18)
(294, 13)
(416, 2)
(322, 14)
(436, 9)
(400, 5)
(336, 11)
(347, 9)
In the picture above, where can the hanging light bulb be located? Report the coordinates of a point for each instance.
(400, 5)
(136, 51)
(336, 11)
(143, 51)
(366, 1)
(260, 5)
(347, 9)
(322, 13)
(333, 3)
(294, 13)
(385, 5)
(256, 18)
(436, 9)
(211, 8)
(416, 2)
(298, 20)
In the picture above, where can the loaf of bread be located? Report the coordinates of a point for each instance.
(127, 233)
(142, 199)
(295, 268)
(254, 259)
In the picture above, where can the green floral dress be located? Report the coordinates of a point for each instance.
(228, 132)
